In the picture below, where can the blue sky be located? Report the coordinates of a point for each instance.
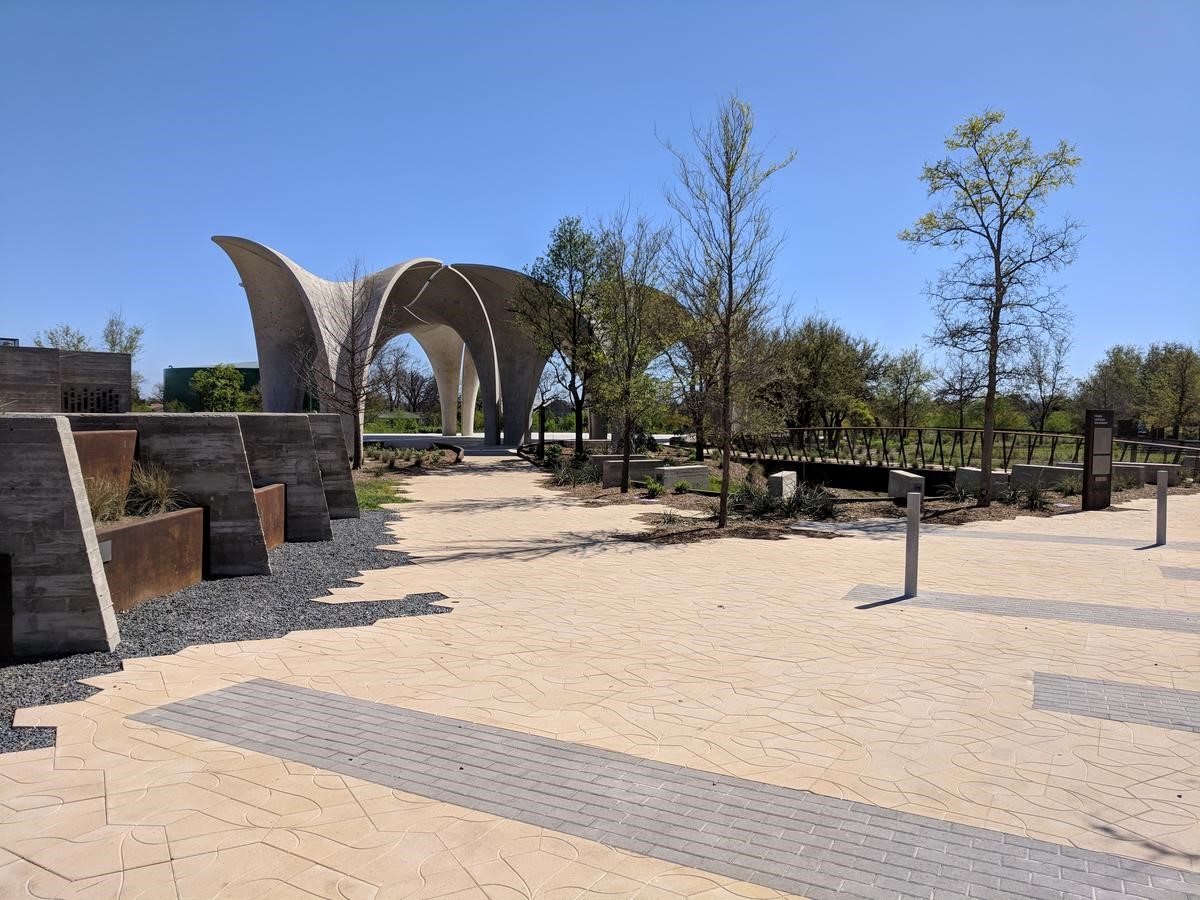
(133, 131)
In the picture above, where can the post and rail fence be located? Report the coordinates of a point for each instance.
(948, 448)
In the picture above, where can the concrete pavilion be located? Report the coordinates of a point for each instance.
(459, 314)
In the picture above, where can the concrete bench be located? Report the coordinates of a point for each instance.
(1174, 472)
(1053, 475)
(901, 483)
(696, 476)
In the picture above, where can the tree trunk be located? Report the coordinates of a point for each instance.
(579, 428)
(357, 460)
(542, 432)
(989, 399)
(626, 442)
(698, 423)
(726, 426)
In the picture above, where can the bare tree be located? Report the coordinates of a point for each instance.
(556, 308)
(336, 375)
(994, 299)
(387, 371)
(417, 388)
(725, 240)
(960, 383)
(1046, 385)
(633, 321)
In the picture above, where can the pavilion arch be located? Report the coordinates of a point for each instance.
(459, 314)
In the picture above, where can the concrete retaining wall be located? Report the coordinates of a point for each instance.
(205, 456)
(330, 445)
(695, 476)
(279, 448)
(638, 470)
(60, 598)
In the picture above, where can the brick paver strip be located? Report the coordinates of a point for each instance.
(1058, 610)
(1118, 701)
(1180, 573)
(781, 838)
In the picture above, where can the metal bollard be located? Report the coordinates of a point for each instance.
(911, 537)
(1161, 536)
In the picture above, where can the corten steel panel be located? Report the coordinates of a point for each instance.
(206, 458)
(60, 598)
(153, 556)
(279, 447)
(272, 500)
(106, 455)
(330, 444)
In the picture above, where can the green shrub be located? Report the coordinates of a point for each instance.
(1009, 496)
(151, 491)
(810, 501)
(1036, 498)
(755, 498)
(1071, 485)
(554, 455)
(682, 487)
(667, 519)
(571, 472)
(1124, 481)
(714, 482)
(653, 487)
(958, 494)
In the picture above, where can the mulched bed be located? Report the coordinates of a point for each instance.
(229, 609)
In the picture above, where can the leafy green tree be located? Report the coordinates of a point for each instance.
(633, 316)
(556, 308)
(219, 389)
(1115, 382)
(904, 387)
(989, 192)
(1171, 386)
(724, 257)
(822, 373)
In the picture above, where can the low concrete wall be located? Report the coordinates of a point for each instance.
(59, 595)
(271, 500)
(970, 478)
(638, 470)
(279, 448)
(205, 456)
(153, 556)
(330, 445)
(597, 460)
(106, 455)
(695, 476)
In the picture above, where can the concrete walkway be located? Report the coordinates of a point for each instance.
(726, 719)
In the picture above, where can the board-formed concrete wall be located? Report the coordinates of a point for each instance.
(206, 457)
(46, 380)
(330, 444)
(279, 448)
(60, 596)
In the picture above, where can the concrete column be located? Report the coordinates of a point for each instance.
(470, 393)
(444, 348)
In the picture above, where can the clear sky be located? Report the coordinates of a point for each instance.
(130, 132)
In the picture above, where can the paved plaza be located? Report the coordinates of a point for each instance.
(597, 717)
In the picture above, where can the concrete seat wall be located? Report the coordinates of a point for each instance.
(902, 483)
(695, 476)
(638, 470)
(330, 445)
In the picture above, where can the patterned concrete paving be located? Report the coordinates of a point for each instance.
(739, 659)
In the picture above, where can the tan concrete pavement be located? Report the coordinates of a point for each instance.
(733, 656)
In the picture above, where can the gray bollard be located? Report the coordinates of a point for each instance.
(911, 537)
(1161, 536)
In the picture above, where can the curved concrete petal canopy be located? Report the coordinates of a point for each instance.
(459, 314)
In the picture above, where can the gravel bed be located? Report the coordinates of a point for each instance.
(229, 609)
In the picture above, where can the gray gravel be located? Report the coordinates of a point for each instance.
(214, 612)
